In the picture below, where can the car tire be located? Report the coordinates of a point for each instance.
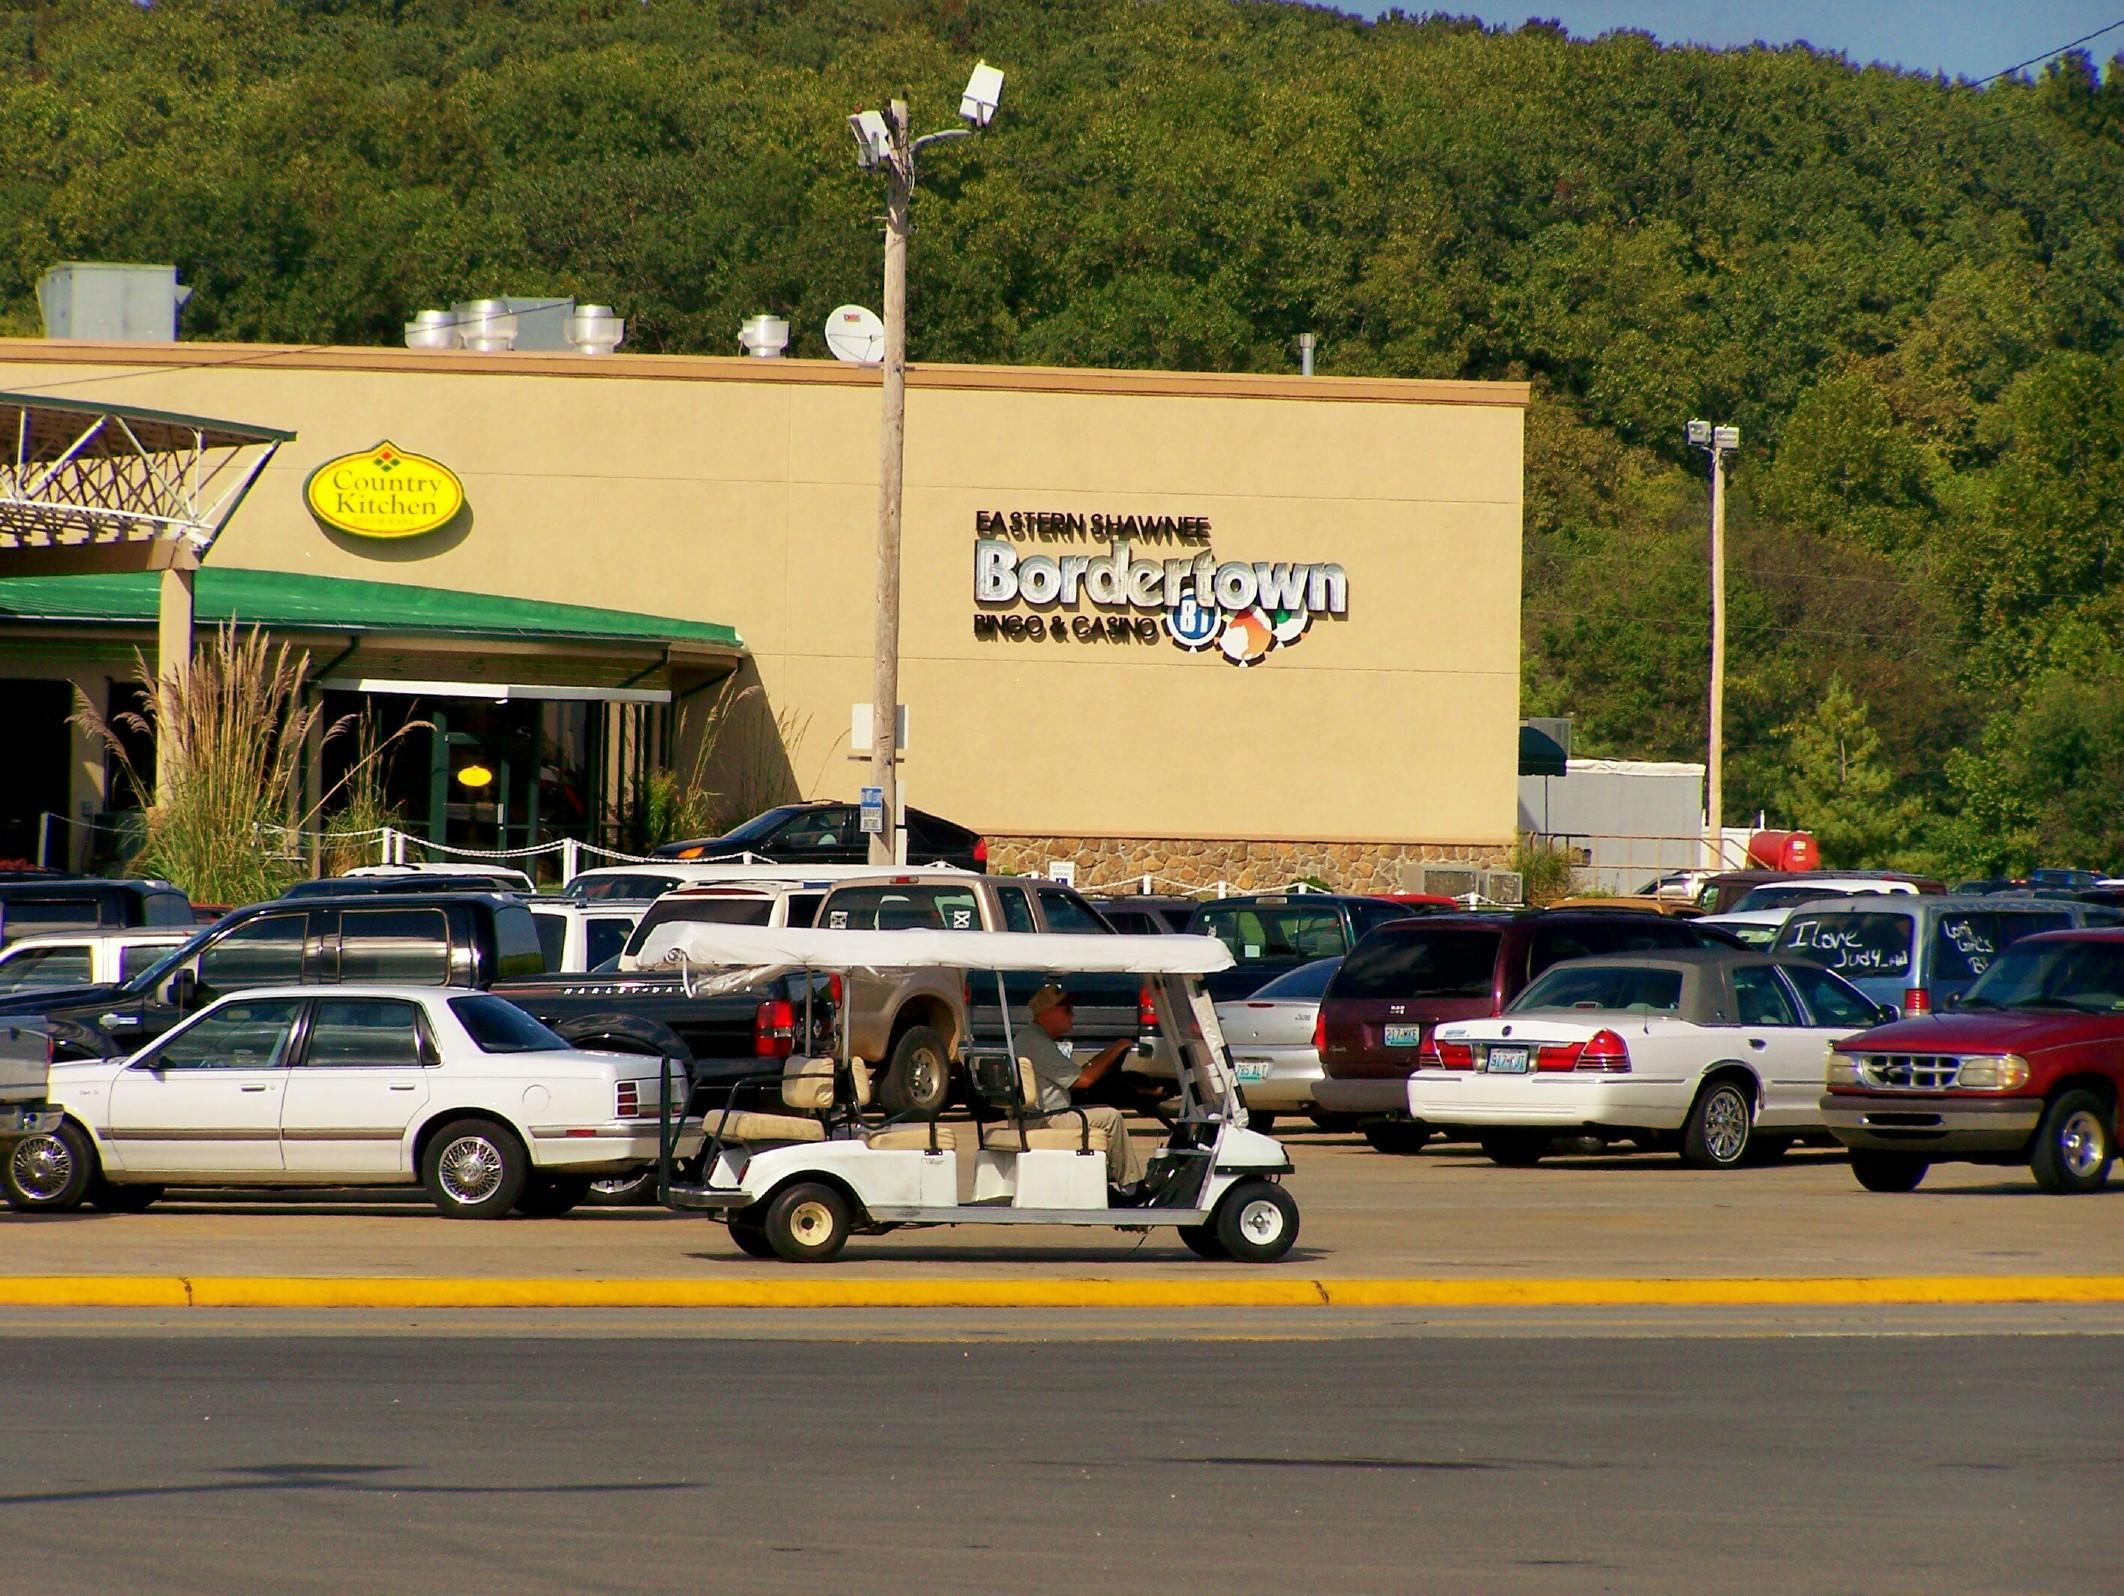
(2075, 1143)
(1720, 1126)
(1256, 1222)
(112, 1198)
(637, 1190)
(750, 1237)
(1335, 1124)
(918, 1075)
(1515, 1149)
(1260, 1119)
(51, 1172)
(1399, 1137)
(1201, 1240)
(549, 1196)
(1883, 1171)
(807, 1222)
(474, 1169)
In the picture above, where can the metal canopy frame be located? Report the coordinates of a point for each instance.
(96, 487)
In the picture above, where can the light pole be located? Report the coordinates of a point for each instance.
(882, 144)
(1716, 440)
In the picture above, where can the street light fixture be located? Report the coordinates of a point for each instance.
(882, 144)
(1717, 441)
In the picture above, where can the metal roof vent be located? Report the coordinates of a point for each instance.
(764, 336)
(111, 300)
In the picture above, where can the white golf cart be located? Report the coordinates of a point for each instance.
(796, 1183)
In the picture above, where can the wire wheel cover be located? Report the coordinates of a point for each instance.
(470, 1169)
(41, 1166)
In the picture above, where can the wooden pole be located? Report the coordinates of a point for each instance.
(885, 683)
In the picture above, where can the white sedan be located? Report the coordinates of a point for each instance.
(1717, 1051)
(454, 1090)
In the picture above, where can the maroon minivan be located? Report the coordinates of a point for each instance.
(1401, 980)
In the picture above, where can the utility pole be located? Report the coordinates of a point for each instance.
(892, 461)
(1717, 440)
(882, 142)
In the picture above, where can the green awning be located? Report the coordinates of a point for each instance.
(288, 602)
(1539, 753)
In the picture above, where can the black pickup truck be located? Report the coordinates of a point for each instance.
(470, 939)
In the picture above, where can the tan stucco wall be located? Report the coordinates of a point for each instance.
(712, 489)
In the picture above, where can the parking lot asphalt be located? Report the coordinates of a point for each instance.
(1447, 1214)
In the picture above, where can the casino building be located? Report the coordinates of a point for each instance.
(1209, 627)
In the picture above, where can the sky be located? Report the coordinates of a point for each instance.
(1960, 38)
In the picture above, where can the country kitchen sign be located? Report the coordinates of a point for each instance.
(384, 492)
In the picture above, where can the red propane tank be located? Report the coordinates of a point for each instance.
(1784, 850)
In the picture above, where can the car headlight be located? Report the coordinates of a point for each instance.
(2008, 1073)
(1844, 1070)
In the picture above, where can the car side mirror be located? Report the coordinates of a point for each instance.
(1886, 1014)
(183, 989)
(1954, 1001)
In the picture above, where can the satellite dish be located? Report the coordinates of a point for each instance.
(856, 336)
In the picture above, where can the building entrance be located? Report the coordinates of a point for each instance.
(34, 731)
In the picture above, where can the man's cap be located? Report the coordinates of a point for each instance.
(1044, 999)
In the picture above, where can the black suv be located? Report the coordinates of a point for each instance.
(32, 903)
(826, 832)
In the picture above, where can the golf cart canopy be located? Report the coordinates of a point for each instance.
(765, 947)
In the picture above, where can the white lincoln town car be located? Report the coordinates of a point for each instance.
(454, 1090)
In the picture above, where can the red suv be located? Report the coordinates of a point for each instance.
(1403, 979)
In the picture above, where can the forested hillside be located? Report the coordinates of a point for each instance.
(1908, 294)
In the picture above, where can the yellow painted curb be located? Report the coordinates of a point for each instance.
(1265, 1290)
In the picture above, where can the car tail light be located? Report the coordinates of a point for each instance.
(980, 853)
(1917, 1000)
(1147, 1013)
(774, 1029)
(1437, 1055)
(629, 1102)
(1320, 1032)
(1603, 1051)
(833, 989)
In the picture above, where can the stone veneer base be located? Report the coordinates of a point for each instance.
(1193, 867)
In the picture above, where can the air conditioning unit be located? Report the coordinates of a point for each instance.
(1452, 881)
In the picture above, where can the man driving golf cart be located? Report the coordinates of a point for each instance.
(1053, 1015)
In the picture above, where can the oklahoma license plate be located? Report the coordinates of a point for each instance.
(1404, 1036)
(1507, 1061)
(1252, 1069)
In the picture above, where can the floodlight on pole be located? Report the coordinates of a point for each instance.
(1717, 440)
(883, 144)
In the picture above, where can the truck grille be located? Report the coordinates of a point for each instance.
(1910, 1072)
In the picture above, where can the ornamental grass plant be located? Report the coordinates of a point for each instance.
(230, 734)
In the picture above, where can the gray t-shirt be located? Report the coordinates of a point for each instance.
(1052, 1066)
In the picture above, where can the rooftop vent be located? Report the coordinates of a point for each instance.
(764, 336)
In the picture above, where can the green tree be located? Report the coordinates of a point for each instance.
(1837, 786)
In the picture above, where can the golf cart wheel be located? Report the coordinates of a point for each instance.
(51, 1172)
(1397, 1136)
(549, 1196)
(474, 1169)
(751, 1237)
(1201, 1240)
(623, 1191)
(918, 1075)
(2073, 1145)
(1515, 1149)
(113, 1198)
(1879, 1171)
(807, 1223)
(1721, 1124)
(1256, 1222)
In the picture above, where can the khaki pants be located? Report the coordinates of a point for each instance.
(1124, 1165)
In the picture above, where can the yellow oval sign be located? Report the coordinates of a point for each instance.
(384, 492)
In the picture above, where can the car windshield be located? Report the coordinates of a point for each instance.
(1307, 981)
(758, 829)
(1260, 931)
(1621, 987)
(2084, 976)
(734, 910)
(1778, 895)
(496, 1026)
(592, 889)
(158, 972)
(1434, 962)
(1856, 946)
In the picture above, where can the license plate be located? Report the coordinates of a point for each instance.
(1404, 1036)
(1253, 1069)
(1507, 1061)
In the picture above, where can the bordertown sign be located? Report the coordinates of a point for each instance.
(1246, 609)
(384, 492)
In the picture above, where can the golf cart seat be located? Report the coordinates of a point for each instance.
(926, 1137)
(808, 1090)
(1016, 1090)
